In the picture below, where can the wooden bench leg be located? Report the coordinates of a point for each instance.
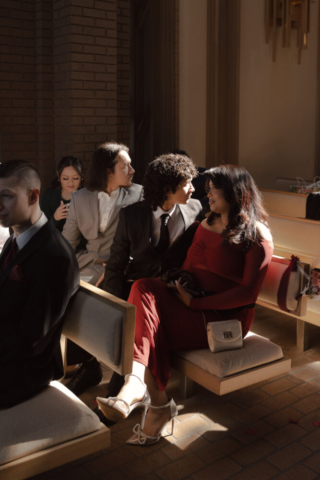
(186, 387)
(302, 335)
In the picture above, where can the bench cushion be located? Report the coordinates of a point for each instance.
(255, 351)
(53, 416)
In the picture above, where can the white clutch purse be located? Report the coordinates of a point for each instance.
(224, 335)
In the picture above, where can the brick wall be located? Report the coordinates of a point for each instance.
(123, 70)
(17, 80)
(65, 78)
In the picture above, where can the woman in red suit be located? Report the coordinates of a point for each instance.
(229, 257)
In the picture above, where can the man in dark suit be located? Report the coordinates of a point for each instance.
(155, 234)
(38, 275)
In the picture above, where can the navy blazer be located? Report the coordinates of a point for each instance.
(32, 305)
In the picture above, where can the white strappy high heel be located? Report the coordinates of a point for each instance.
(115, 408)
(141, 438)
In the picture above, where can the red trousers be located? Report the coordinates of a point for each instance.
(164, 324)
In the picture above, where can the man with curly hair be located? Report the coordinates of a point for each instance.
(151, 235)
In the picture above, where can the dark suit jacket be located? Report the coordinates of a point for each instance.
(133, 239)
(31, 313)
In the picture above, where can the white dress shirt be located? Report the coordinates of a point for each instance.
(4, 235)
(175, 224)
(106, 205)
(24, 237)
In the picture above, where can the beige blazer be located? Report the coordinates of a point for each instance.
(83, 218)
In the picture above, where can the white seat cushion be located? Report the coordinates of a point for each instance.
(255, 351)
(53, 416)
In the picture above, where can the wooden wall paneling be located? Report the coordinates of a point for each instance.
(223, 77)
(153, 115)
(317, 132)
(164, 76)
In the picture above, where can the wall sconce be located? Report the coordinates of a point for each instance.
(288, 14)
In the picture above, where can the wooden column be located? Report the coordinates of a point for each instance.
(223, 75)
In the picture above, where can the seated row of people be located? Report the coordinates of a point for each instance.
(228, 256)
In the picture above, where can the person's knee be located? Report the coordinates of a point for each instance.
(140, 285)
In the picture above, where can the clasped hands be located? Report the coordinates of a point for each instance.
(184, 296)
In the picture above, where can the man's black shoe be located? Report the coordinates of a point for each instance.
(88, 375)
(102, 418)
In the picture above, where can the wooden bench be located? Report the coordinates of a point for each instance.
(258, 360)
(284, 203)
(54, 427)
(301, 236)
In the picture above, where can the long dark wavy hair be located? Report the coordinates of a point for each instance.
(246, 207)
(68, 161)
(164, 175)
(104, 159)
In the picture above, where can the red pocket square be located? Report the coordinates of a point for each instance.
(16, 274)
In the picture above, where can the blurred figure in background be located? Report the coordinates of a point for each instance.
(55, 201)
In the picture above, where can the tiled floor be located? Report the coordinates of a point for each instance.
(270, 430)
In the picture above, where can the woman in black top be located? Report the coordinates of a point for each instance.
(56, 200)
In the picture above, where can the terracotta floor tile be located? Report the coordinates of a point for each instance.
(246, 400)
(285, 435)
(313, 462)
(315, 381)
(308, 404)
(155, 460)
(146, 464)
(298, 472)
(138, 451)
(261, 430)
(252, 414)
(306, 421)
(305, 389)
(224, 428)
(184, 446)
(135, 468)
(298, 363)
(315, 365)
(55, 472)
(296, 380)
(181, 468)
(109, 461)
(307, 373)
(80, 473)
(259, 471)
(281, 417)
(218, 471)
(149, 476)
(193, 424)
(217, 413)
(217, 450)
(280, 401)
(289, 456)
(113, 474)
(253, 453)
(312, 440)
(315, 359)
(278, 386)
